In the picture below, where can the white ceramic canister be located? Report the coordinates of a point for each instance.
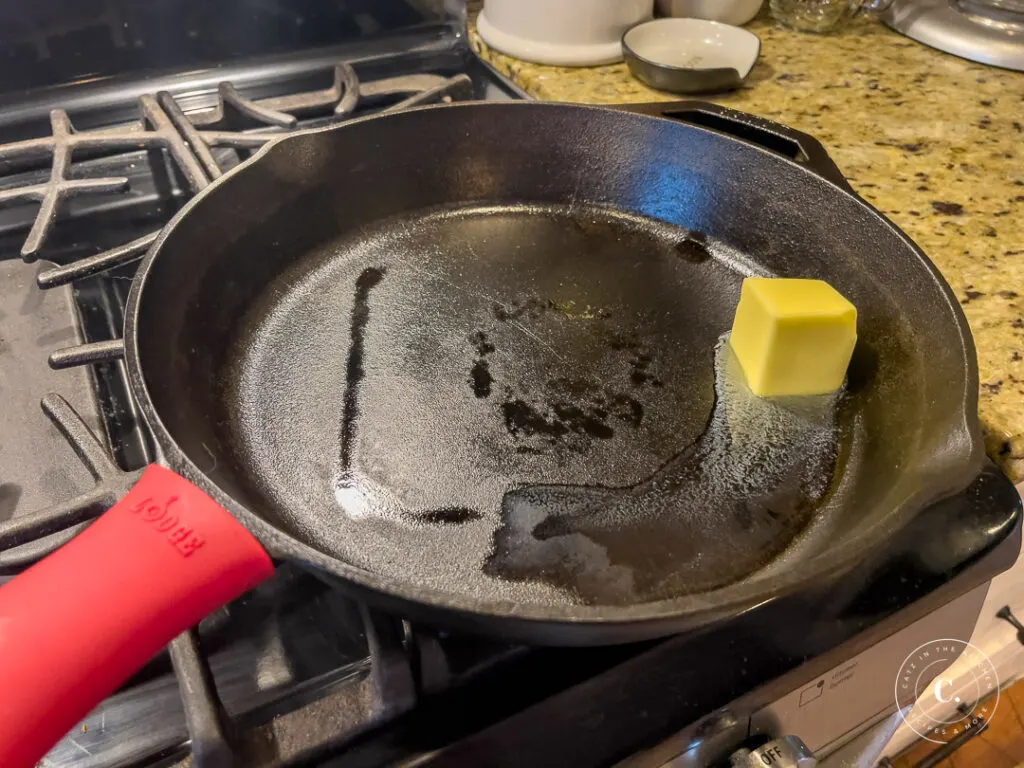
(735, 12)
(563, 32)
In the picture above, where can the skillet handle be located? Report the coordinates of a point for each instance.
(76, 625)
(796, 145)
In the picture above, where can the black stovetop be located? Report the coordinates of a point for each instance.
(300, 673)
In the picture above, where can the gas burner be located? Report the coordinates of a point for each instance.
(236, 122)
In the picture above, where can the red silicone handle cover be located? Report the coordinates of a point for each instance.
(77, 624)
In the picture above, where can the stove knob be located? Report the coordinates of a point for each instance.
(787, 752)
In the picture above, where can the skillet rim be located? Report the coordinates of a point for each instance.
(572, 624)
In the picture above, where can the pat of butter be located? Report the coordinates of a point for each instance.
(793, 337)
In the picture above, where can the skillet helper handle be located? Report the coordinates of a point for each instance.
(76, 625)
(783, 140)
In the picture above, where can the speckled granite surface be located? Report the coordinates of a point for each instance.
(935, 142)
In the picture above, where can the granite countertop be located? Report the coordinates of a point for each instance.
(934, 142)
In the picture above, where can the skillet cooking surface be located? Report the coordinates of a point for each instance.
(488, 380)
(461, 357)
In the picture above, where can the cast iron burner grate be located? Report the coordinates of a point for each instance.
(201, 144)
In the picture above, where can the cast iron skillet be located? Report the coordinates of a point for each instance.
(464, 360)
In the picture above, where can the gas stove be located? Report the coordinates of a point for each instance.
(108, 124)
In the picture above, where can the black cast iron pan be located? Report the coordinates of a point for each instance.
(467, 361)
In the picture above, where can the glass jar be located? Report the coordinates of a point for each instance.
(822, 15)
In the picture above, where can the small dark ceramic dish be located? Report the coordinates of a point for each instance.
(690, 55)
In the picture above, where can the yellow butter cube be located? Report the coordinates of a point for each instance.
(793, 337)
